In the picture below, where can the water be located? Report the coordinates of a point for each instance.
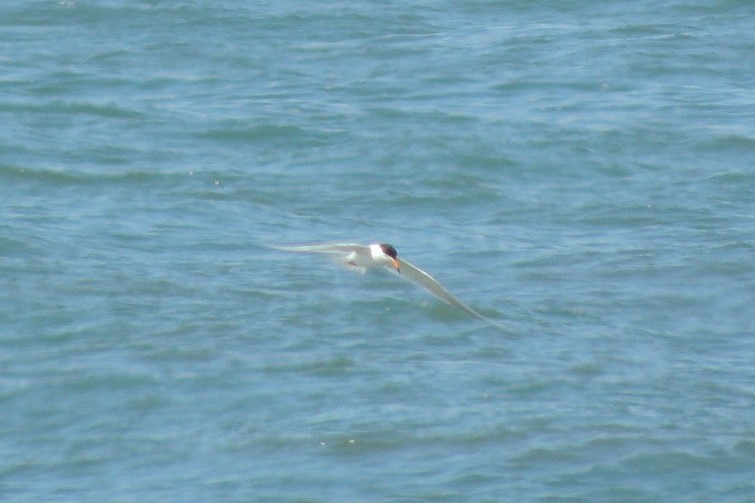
(581, 173)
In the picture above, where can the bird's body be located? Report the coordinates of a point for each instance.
(363, 257)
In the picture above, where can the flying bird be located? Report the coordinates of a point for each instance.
(363, 257)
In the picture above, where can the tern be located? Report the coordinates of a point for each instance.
(363, 257)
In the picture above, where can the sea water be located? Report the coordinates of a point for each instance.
(580, 172)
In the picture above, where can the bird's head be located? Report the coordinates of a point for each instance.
(392, 254)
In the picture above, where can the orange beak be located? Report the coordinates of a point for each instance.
(395, 264)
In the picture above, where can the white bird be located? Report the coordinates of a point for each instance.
(361, 258)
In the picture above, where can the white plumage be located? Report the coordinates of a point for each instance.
(363, 257)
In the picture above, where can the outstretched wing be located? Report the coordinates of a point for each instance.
(337, 248)
(421, 278)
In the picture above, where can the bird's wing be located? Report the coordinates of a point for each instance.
(421, 278)
(339, 248)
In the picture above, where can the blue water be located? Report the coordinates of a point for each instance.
(582, 173)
